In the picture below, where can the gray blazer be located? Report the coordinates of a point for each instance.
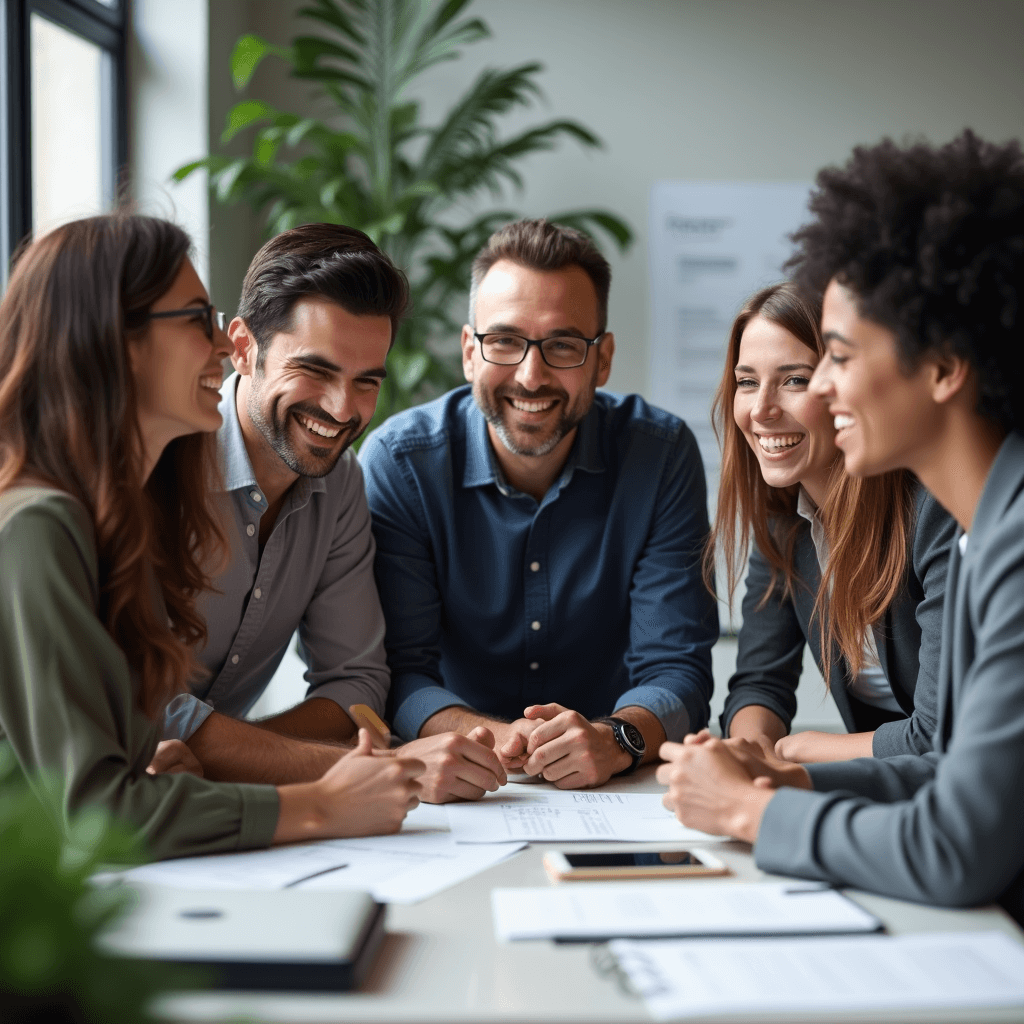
(772, 638)
(946, 827)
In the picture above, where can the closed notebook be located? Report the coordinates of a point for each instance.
(248, 939)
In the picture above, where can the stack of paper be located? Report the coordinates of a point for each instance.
(779, 977)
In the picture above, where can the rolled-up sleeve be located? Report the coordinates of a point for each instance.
(68, 704)
(673, 617)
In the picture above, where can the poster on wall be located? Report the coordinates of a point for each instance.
(712, 244)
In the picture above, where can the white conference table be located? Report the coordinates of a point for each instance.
(440, 961)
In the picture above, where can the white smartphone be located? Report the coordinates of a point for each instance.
(570, 865)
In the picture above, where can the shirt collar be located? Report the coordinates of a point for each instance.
(482, 467)
(805, 507)
(234, 459)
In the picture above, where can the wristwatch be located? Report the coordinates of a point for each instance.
(630, 738)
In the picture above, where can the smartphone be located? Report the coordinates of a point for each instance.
(568, 865)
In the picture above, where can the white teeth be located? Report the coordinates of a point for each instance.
(843, 421)
(518, 403)
(317, 428)
(779, 442)
(210, 382)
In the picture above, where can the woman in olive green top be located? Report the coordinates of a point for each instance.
(110, 364)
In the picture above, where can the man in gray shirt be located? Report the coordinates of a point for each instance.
(320, 306)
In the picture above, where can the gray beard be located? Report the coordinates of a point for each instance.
(567, 423)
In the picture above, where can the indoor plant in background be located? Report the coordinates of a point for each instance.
(368, 161)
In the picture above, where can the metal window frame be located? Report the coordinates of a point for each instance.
(106, 27)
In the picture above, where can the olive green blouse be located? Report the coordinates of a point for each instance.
(68, 699)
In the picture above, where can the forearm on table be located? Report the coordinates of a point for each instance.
(649, 725)
(457, 719)
(234, 751)
(818, 747)
(754, 722)
(319, 719)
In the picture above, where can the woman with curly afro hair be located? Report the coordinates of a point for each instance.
(918, 252)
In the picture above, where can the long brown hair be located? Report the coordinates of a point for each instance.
(867, 522)
(77, 298)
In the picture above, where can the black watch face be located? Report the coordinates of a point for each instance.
(634, 736)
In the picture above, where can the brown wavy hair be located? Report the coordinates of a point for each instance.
(78, 297)
(867, 522)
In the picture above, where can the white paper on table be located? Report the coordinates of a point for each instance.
(561, 816)
(588, 911)
(692, 977)
(420, 861)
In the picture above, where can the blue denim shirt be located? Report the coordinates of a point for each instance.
(591, 598)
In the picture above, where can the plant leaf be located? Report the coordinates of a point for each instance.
(243, 114)
(620, 231)
(246, 57)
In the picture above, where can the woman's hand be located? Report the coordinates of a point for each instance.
(710, 789)
(360, 795)
(172, 757)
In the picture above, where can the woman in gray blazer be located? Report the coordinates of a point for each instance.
(782, 482)
(920, 253)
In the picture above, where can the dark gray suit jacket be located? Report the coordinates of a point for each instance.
(946, 827)
(772, 638)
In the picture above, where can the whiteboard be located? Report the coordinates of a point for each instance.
(712, 245)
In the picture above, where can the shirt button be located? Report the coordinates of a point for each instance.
(534, 665)
(250, 529)
(256, 496)
(535, 626)
(234, 659)
(257, 593)
(534, 566)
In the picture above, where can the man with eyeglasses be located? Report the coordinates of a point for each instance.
(539, 543)
(319, 310)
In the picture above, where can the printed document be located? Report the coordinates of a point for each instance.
(588, 911)
(527, 814)
(779, 977)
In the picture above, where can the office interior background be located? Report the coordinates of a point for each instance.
(704, 90)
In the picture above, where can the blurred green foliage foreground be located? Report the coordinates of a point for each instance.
(49, 914)
(361, 155)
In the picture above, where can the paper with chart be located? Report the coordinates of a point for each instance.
(519, 813)
(588, 911)
(420, 861)
(780, 977)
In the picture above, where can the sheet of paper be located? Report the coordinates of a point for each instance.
(601, 910)
(686, 978)
(517, 813)
(420, 861)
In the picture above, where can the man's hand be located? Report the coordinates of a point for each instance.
(711, 790)
(360, 795)
(569, 751)
(759, 762)
(173, 757)
(511, 742)
(457, 767)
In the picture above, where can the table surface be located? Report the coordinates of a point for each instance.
(440, 961)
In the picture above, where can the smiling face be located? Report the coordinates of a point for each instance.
(177, 368)
(533, 409)
(788, 429)
(884, 417)
(318, 386)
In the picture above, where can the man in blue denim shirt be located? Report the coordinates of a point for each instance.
(538, 545)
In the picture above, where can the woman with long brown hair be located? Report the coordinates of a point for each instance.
(855, 568)
(110, 364)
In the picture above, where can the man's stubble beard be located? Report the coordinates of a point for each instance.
(494, 409)
(274, 429)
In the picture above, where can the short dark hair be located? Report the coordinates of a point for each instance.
(541, 245)
(931, 242)
(328, 261)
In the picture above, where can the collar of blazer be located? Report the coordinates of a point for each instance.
(1005, 479)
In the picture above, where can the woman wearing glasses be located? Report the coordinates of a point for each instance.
(853, 568)
(110, 364)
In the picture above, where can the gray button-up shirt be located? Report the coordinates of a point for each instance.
(315, 575)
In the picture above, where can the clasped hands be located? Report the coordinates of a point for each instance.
(560, 746)
(723, 786)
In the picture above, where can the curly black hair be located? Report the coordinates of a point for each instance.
(931, 242)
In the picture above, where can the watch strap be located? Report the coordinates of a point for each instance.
(618, 727)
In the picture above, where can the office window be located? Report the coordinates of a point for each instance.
(63, 106)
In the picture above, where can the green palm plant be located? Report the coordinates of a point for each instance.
(369, 162)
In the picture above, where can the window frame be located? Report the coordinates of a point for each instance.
(100, 24)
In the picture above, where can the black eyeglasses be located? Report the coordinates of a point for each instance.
(560, 353)
(208, 313)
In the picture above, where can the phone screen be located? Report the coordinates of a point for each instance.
(631, 860)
